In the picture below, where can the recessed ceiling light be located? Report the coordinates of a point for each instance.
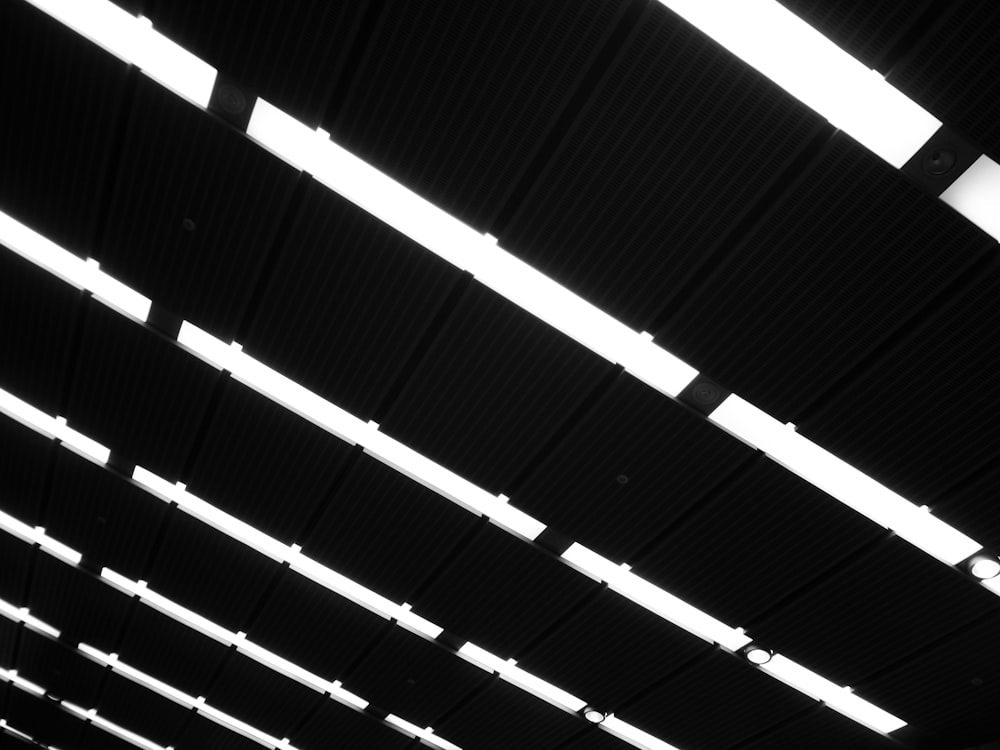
(757, 654)
(593, 715)
(984, 567)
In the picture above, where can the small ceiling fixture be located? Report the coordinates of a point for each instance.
(984, 567)
(757, 654)
(592, 715)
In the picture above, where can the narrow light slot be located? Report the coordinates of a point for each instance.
(633, 735)
(623, 581)
(843, 482)
(816, 71)
(427, 734)
(23, 614)
(976, 195)
(512, 673)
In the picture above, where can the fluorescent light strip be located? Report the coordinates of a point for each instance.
(509, 671)
(91, 715)
(11, 676)
(629, 733)
(18, 733)
(52, 427)
(843, 482)
(22, 614)
(976, 195)
(38, 536)
(426, 734)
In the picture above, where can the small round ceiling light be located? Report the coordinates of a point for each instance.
(757, 654)
(984, 567)
(592, 715)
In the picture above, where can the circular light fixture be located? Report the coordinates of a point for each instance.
(984, 566)
(592, 715)
(757, 654)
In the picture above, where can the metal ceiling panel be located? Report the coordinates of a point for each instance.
(347, 304)
(38, 315)
(434, 102)
(195, 211)
(15, 561)
(334, 723)
(59, 668)
(822, 729)
(313, 627)
(610, 650)
(627, 470)
(690, 710)
(140, 710)
(882, 607)
(9, 633)
(112, 522)
(138, 394)
(27, 456)
(673, 148)
(798, 533)
(501, 593)
(42, 720)
(265, 465)
(68, 97)
(848, 256)
(171, 652)
(261, 697)
(203, 733)
(502, 716)
(413, 678)
(386, 531)
(231, 577)
(82, 608)
(307, 44)
(492, 389)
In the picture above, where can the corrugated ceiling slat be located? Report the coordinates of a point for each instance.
(26, 458)
(141, 710)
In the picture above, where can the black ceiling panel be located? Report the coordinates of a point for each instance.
(386, 531)
(842, 260)
(419, 680)
(307, 43)
(347, 303)
(491, 390)
(171, 652)
(265, 465)
(954, 72)
(906, 422)
(81, 607)
(42, 720)
(98, 739)
(68, 96)
(611, 649)
(822, 729)
(969, 507)
(798, 533)
(651, 176)
(593, 738)
(59, 668)
(26, 458)
(178, 166)
(950, 689)
(310, 625)
(621, 475)
(111, 521)
(202, 733)
(9, 633)
(913, 598)
(435, 105)
(502, 717)
(232, 577)
(15, 561)
(334, 723)
(141, 710)
(689, 711)
(500, 593)
(137, 393)
(38, 313)
(260, 696)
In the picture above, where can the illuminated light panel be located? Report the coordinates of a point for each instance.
(53, 427)
(240, 727)
(118, 731)
(281, 665)
(80, 443)
(976, 195)
(16, 732)
(38, 536)
(11, 676)
(815, 71)
(346, 696)
(633, 735)
(426, 734)
(512, 673)
(842, 481)
(23, 614)
(993, 584)
(671, 608)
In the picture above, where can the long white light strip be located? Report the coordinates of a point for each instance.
(425, 734)
(816, 71)
(625, 731)
(91, 715)
(513, 673)
(976, 195)
(11, 676)
(22, 614)
(17, 732)
(37, 535)
(844, 482)
(53, 427)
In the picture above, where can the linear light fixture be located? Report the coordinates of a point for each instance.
(426, 734)
(815, 71)
(91, 715)
(843, 482)
(37, 535)
(17, 732)
(11, 676)
(22, 614)
(509, 671)
(632, 734)
(976, 195)
(52, 427)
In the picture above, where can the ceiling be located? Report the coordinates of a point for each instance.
(630, 158)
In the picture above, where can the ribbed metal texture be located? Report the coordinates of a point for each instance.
(22, 471)
(141, 710)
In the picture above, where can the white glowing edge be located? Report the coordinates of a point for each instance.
(671, 608)
(816, 71)
(23, 614)
(514, 674)
(133, 40)
(38, 536)
(844, 482)
(111, 728)
(426, 734)
(11, 676)
(52, 427)
(625, 731)
(976, 195)
(993, 584)
(240, 727)
(14, 731)
(839, 698)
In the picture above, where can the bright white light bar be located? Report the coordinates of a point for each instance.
(993, 584)
(22, 614)
(16, 732)
(53, 427)
(625, 731)
(279, 664)
(655, 599)
(427, 734)
(835, 696)
(346, 696)
(240, 727)
(38, 536)
(976, 195)
(11, 676)
(816, 71)
(513, 673)
(80, 443)
(844, 482)
(118, 731)
(161, 688)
